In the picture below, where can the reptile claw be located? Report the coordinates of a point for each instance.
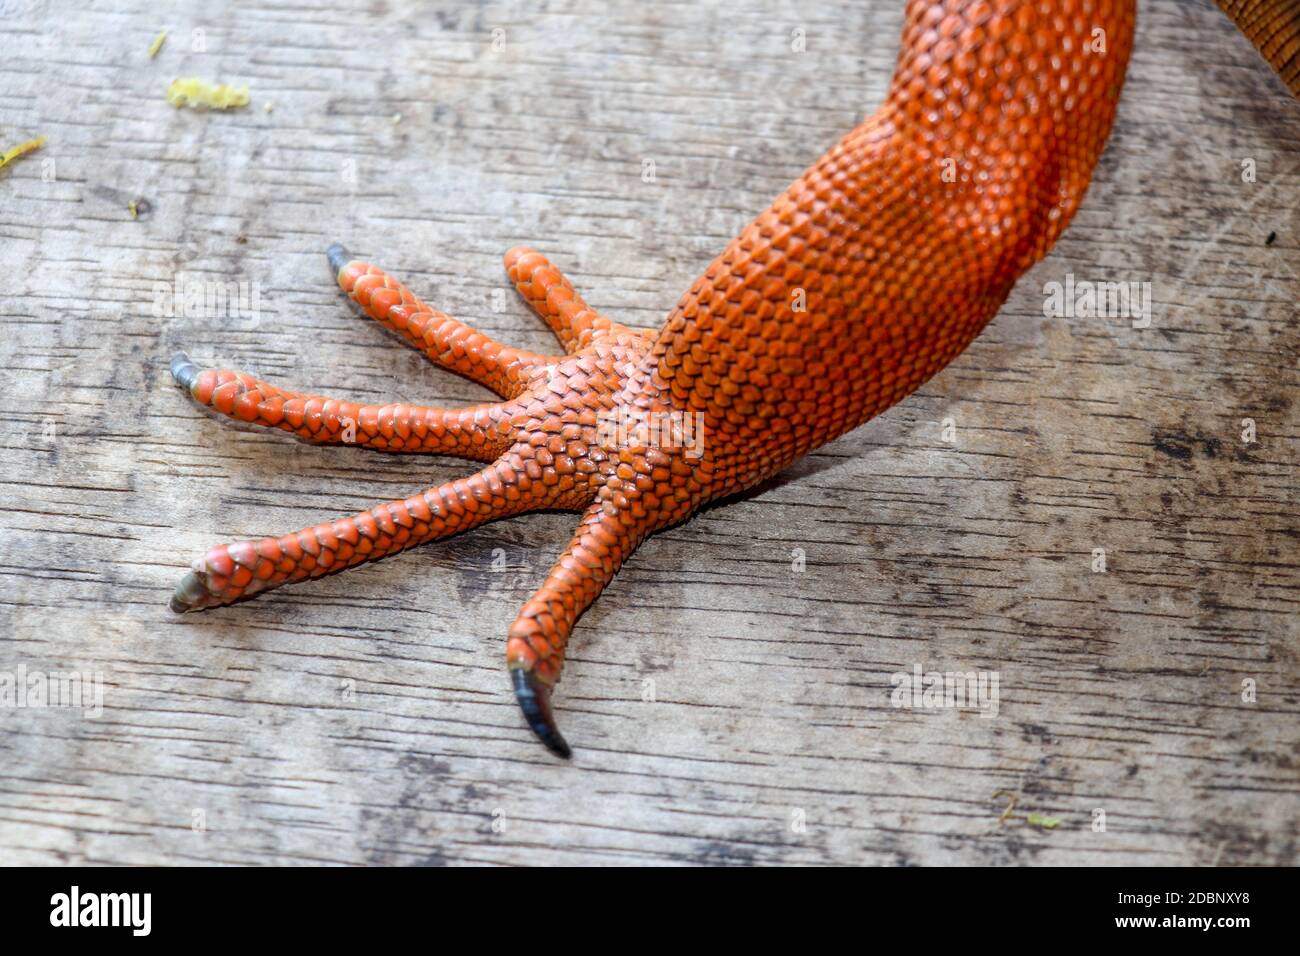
(338, 257)
(189, 594)
(184, 371)
(535, 701)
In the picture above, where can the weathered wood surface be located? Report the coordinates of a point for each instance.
(367, 718)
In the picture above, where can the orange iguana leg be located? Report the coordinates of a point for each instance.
(865, 277)
(475, 432)
(233, 572)
(553, 297)
(606, 537)
(1273, 26)
(447, 342)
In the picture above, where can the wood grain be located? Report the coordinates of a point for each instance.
(367, 718)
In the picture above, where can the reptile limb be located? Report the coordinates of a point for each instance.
(862, 280)
(542, 441)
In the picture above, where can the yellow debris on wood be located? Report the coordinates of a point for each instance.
(268, 106)
(157, 43)
(22, 149)
(1033, 819)
(134, 208)
(191, 91)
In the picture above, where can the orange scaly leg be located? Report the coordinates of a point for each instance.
(545, 443)
(475, 432)
(864, 278)
(553, 297)
(233, 572)
(1273, 26)
(606, 538)
(447, 342)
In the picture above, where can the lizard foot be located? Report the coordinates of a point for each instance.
(543, 445)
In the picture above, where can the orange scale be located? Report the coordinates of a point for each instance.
(268, 548)
(383, 299)
(218, 560)
(352, 272)
(345, 529)
(364, 286)
(204, 385)
(308, 543)
(224, 397)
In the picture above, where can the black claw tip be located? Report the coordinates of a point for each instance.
(338, 257)
(535, 701)
(183, 370)
(189, 592)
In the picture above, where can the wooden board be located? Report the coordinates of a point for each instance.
(725, 707)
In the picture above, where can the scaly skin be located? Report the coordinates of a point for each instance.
(1273, 26)
(862, 280)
